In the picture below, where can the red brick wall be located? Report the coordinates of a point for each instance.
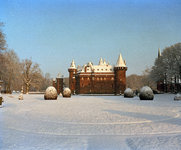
(59, 85)
(95, 83)
(120, 79)
(71, 79)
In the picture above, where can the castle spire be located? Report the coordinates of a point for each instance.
(72, 66)
(59, 75)
(120, 62)
(101, 62)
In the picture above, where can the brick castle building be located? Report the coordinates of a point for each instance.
(98, 79)
(58, 83)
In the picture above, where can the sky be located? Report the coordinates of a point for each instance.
(54, 32)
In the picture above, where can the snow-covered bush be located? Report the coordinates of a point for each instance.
(50, 93)
(20, 97)
(66, 92)
(146, 93)
(128, 93)
(177, 97)
(60, 94)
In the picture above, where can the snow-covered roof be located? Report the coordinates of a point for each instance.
(102, 67)
(120, 62)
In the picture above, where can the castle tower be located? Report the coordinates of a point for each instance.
(120, 75)
(54, 84)
(59, 85)
(72, 71)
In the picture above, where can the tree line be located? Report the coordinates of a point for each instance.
(15, 73)
(166, 69)
(136, 82)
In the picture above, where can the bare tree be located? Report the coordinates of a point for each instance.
(145, 80)
(134, 82)
(2, 47)
(2, 38)
(10, 70)
(46, 81)
(30, 74)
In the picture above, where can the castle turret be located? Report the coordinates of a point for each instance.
(72, 71)
(120, 75)
(59, 85)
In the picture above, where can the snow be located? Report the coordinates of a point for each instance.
(90, 122)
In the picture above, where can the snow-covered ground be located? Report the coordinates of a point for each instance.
(90, 122)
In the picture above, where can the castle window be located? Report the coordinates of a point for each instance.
(104, 78)
(112, 78)
(82, 85)
(89, 85)
(82, 78)
(106, 69)
(110, 69)
(88, 78)
(97, 69)
(102, 69)
(101, 78)
(92, 78)
(97, 78)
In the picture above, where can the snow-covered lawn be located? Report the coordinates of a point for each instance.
(90, 122)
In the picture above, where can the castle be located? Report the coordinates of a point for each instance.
(98, 79)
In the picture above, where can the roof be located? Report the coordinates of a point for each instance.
(120, 62)
(72, 66)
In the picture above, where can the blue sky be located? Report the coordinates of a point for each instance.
(53, 32)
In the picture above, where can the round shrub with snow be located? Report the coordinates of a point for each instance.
(128, 93)
(20, 97)
(50, 93)
(146, 93)
(66, 92)
(177, 97)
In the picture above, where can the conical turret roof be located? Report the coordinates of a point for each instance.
(72, 66)
(120, 62)
(100, 61)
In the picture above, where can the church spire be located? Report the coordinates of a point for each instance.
(120, 62)
(159, 53)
